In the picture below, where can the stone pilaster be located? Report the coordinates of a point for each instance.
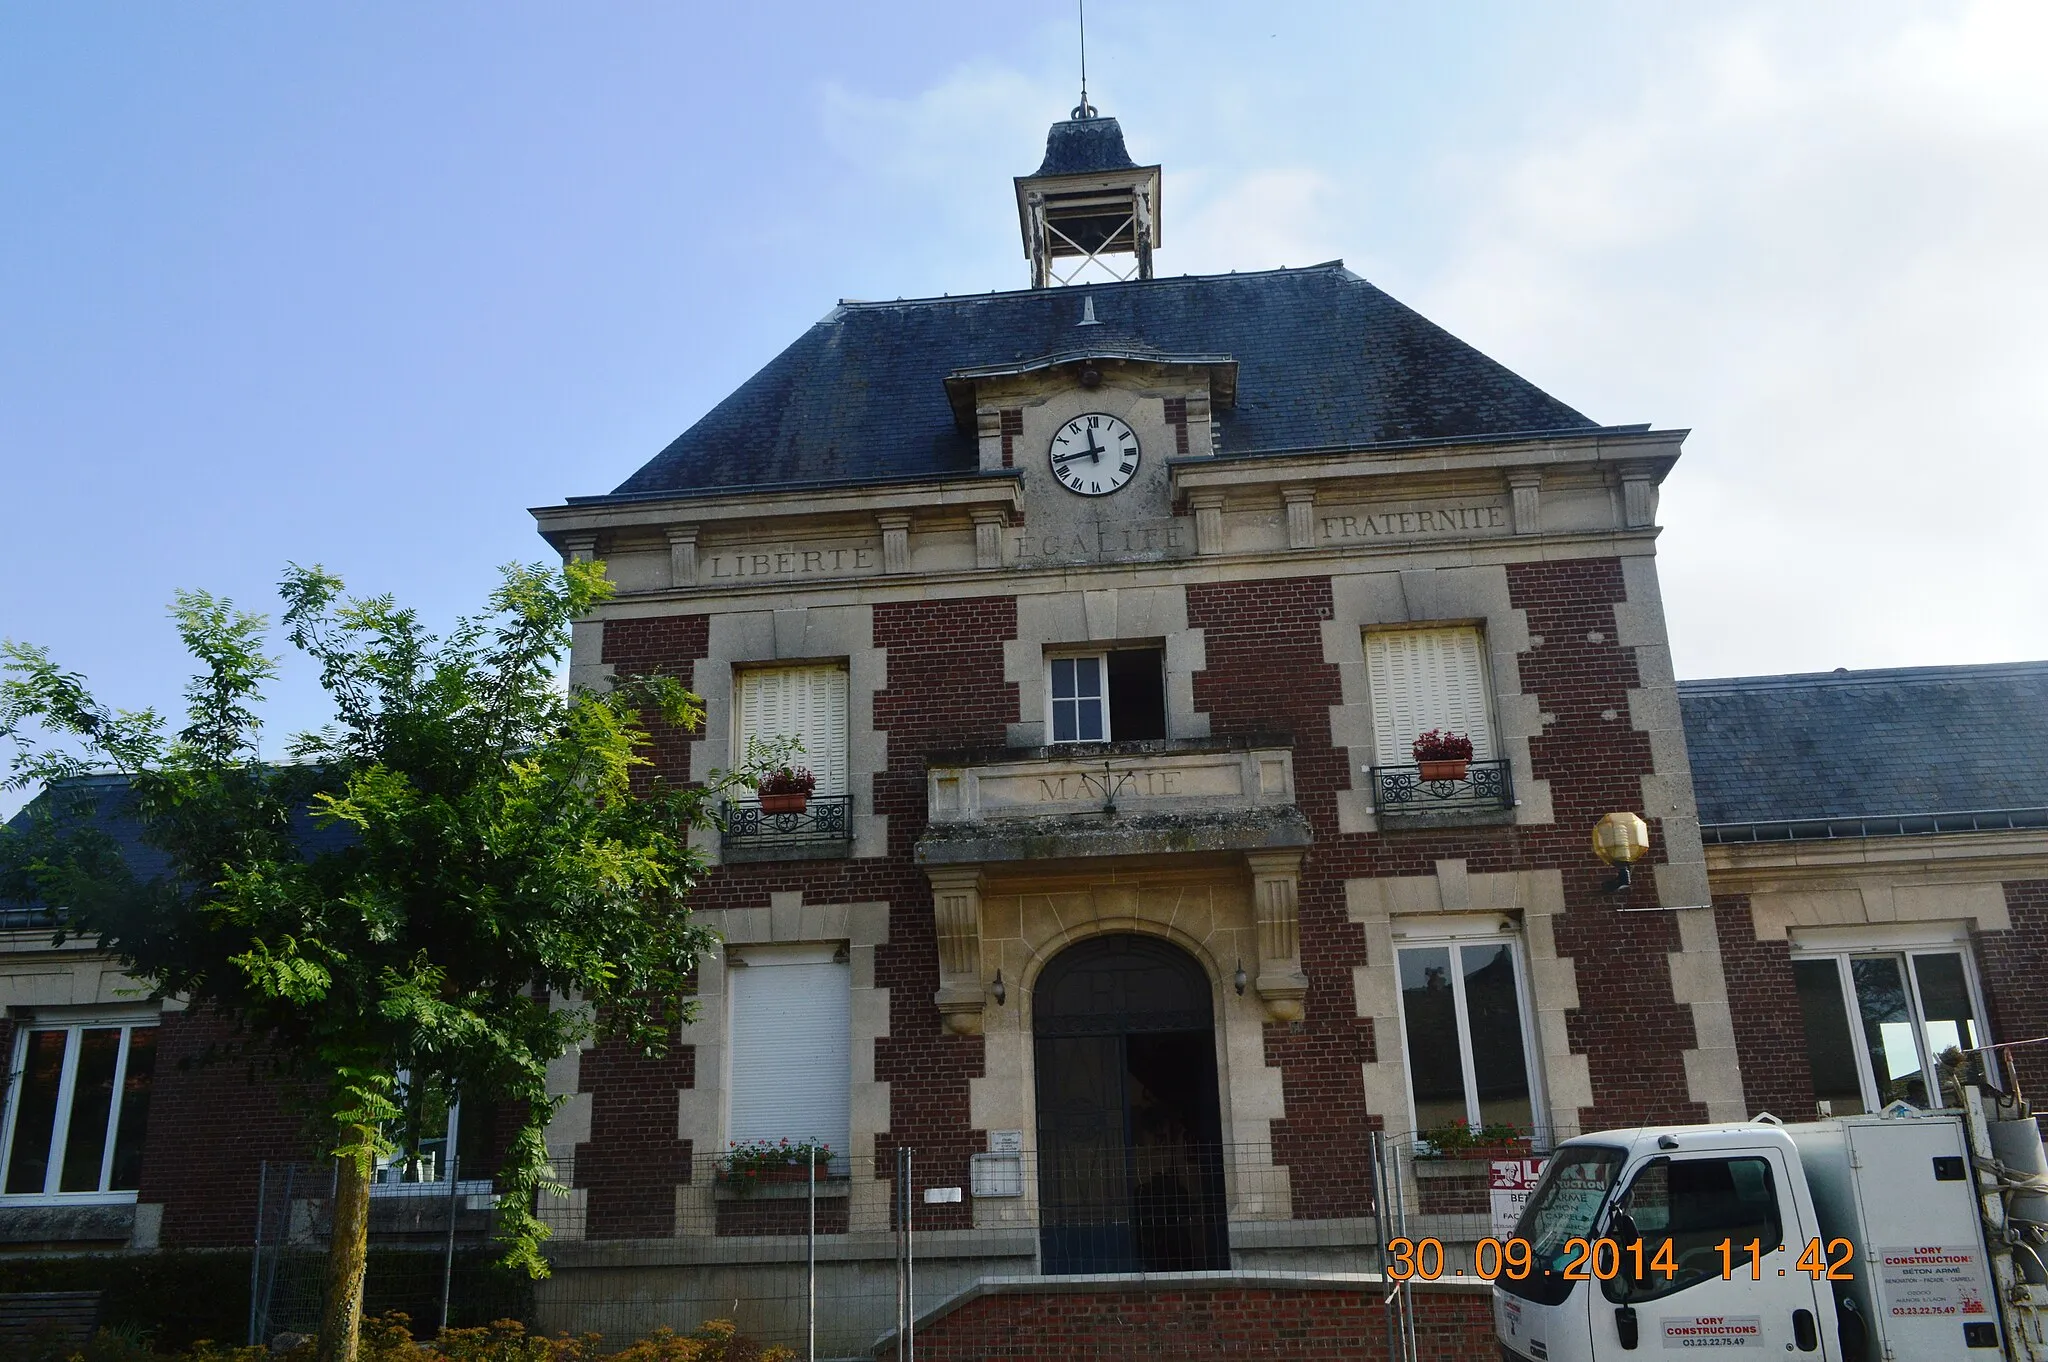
(1527, 486)
(1208, 508)
(682, 555)
(1276, 877)
(956, 909)
(1301, 516)
(895, 527)
(989, 522)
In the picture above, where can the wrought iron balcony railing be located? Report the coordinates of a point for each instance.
(826, 820)
(1486, 787)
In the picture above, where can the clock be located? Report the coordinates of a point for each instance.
(1094, 454)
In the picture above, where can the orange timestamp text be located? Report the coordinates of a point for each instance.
(1605, 1259)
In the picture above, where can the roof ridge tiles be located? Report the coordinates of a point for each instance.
(1871, 676)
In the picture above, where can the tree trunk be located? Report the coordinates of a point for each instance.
(348, 1252)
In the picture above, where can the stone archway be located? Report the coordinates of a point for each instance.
(1129, 1126)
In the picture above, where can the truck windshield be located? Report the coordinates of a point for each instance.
(1562, 1208)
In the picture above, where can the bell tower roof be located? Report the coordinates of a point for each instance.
(1083, 144)
(1086, 201)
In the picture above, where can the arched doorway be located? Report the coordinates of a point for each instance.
(1130, 1156)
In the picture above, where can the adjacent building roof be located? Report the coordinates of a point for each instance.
(1871, 747)
(1325, 360)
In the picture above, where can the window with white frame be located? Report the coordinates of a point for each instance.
(77, 1108)
(429, 1126)
(789, 1020)
(1423, 679)
(1115, 695)
(1467, 1033)
(1877, 1021)
(807, 703)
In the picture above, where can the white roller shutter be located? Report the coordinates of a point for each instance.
(807, 703)
(790, 1020)
(1423, 679)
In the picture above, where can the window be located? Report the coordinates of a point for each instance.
(807, 703)
(790, 1020)
(1467, 1042)
(1695, 1205)
(1114, 696)
(1877, 1022)
(1423, 679)
(428, 1125)
(77, 1107)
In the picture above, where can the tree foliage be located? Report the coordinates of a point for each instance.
(419, 886)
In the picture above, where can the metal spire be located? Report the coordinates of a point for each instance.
(1084, 109)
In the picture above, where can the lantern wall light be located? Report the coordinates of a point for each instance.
(1621, 839)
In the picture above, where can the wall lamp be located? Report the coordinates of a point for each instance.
(1001, 993)
(1621, 839)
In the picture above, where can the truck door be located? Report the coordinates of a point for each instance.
(1720, 1239)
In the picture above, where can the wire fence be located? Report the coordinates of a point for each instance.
(842, 1261)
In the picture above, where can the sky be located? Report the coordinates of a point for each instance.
(359, 284)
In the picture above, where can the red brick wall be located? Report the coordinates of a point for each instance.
(945, 669)
(634, 1160)
(2014, 967)
(1769, 1027)
(1199, 1322)
(211, 1126)
(669, 646)
(1628, 1024)
(1265, 673)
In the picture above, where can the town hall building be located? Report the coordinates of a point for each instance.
(1107, 614)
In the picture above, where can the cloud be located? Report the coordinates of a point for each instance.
(1823, 254)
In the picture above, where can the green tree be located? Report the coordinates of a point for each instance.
(490, 842)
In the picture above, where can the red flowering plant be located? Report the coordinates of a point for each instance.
(1460, 1137)
(1439, 745)
(788, 780)
(748, 1165)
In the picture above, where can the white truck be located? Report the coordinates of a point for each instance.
(1901, 1237)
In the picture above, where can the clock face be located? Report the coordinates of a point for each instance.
(1094, 454)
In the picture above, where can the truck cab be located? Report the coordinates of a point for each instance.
(1705, 1228)
(1852, 1239)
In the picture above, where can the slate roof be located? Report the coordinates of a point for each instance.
(111, 810)
(1862, 744)
(1325, 360)
(1081, 145)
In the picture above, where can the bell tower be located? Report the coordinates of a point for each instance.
(1089, 213)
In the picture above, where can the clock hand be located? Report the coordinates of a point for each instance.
(1094, 451)
(1078, 454)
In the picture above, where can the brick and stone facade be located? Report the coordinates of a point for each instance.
(1320, 468)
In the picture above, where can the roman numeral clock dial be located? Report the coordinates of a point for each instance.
(1094, 454)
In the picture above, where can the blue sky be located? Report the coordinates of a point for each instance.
(359, 284)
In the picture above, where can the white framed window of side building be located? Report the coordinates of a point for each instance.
(1423, 679)
(78, 1107)
(1113, 695)
(1467, 1029)
(1879, 1008)
(805, 702)
(789, 1045)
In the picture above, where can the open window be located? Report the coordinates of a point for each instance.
(1877, 1022)
(1115, 695)
(430, 1127)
